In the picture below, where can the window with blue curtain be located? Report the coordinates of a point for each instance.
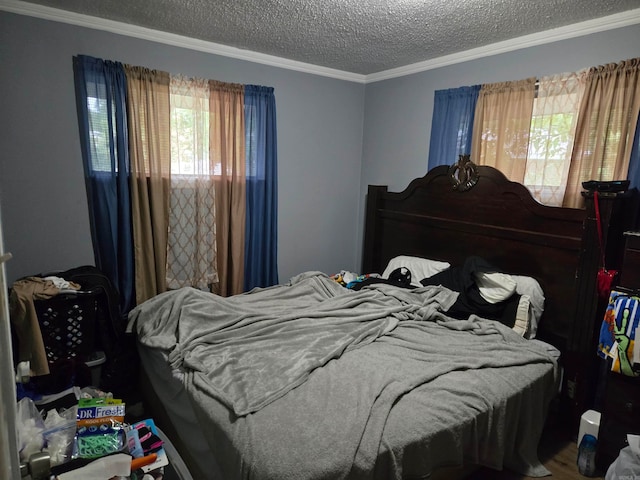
(452, 124)
(101, 103)
(101, 91)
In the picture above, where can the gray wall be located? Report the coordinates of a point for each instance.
(335, 137)
(42, 192)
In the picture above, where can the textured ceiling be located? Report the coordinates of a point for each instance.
(357, 36)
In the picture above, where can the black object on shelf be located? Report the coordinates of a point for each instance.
(613, 186)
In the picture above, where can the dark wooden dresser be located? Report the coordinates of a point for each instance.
(621, 401)
(630, 270)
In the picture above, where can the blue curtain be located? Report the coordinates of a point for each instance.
(101, 87)
(633, 174)
(261, 247)
(452, 124)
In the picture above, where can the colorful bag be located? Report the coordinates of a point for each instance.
(619, 331)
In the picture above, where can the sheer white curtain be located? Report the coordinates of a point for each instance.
(191, 249)
(553, 127)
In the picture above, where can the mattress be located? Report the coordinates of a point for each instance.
(488, 413)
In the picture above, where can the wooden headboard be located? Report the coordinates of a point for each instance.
(442, 217)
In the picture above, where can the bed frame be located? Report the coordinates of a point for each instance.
(462, 210)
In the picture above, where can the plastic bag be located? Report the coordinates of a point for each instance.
(60, 430)
(30, 429)
(627, 465)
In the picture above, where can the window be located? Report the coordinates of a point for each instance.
(190, 128)
(553, 126)
(99, 129)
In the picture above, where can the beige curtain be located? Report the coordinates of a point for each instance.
(149, 149)
(553, 126)
(227, 153)
(606, 126)
(501, 126)
(191, 249)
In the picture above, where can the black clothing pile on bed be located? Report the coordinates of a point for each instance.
(462, 279)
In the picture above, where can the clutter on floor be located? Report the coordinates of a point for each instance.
(84, 433)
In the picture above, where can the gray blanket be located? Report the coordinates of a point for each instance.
(247, 351)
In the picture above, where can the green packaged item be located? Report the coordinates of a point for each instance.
(99, 427)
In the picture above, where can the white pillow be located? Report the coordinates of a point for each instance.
(495, 287)
(419, 267)
(530, 286)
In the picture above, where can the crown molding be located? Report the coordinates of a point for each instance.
(610, 22)
(120, 28)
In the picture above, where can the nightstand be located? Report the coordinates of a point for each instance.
(620, 416)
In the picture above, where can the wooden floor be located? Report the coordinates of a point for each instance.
(557, 451)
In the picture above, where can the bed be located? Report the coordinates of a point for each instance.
(312, 380)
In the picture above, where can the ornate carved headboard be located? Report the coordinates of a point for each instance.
(490, 217)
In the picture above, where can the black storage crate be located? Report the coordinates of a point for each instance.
(68, 325)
